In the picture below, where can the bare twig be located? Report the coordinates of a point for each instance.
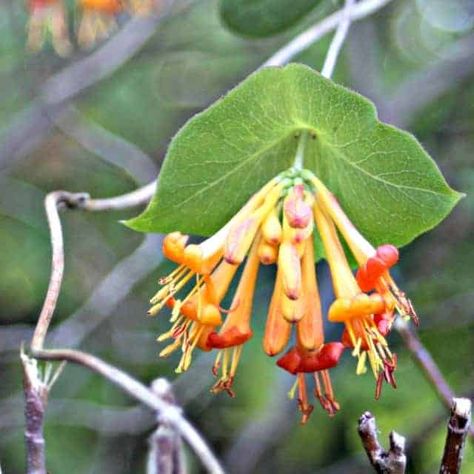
(52, 202)
(36, 388)
(317, 31)
(168, 413)
(458, 428)
(338, 40)
(392, 461)
(135, 198)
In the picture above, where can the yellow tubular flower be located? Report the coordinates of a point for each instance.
(289, 263)
(271, 228)
(360, 247)
(196, 316)
(202, 258)
(243, 231)
(276, 226)
(376, 261)
(352, 307)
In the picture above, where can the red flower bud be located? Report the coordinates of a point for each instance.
(388, 254)
(230, 338)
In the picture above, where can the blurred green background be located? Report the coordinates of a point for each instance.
(413, 59)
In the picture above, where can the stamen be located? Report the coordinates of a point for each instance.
(305, 407)
(170, 348)
(403, 304)
(225, 362)
(175, 312)
(332, 403)
(167, 292)
(318, 393)
(237, 352)
(217, 364)
(361, 364)
(173, 275)
(292, 392)
(189, 343)
(226, 380)
(357, 345)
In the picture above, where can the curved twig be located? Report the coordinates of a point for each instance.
(61, 199)
(322, 28)
(168, 413)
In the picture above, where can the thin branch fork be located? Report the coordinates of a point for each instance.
(168, 413)
(392, 461)
(458, 429)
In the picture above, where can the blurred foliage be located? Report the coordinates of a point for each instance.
(191, 60)
(260, 18)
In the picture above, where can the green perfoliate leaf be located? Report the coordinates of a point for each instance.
(385, 181)
(260, 18)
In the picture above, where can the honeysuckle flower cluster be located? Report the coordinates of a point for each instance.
(97, 20)
(276, 227)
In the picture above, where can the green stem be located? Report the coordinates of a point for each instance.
(299, 158)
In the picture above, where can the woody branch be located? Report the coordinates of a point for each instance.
(392, 461)
(458, 428)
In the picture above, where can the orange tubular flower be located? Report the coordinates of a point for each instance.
(373, 263)
(97, 21)
(236, 329)
(310, 354)
(353, 307)
(277, 329)
(48, 18)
